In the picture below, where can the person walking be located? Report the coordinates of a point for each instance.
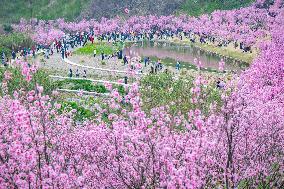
(159, 64)
(92, 39)
(3, 57)
(178, 66)
(146, 61)
(220, 84)
(125, 61)
(85, 74)
(77, 73)
(13, 55)
(125, 79)
(33, 51)
(62, 53)
(156, 67)
(70, 73)
(103, 56)
(95, 53)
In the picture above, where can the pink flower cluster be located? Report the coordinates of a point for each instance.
(47, 37)
(123, 147)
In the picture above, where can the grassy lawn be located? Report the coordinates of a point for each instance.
(100, 47)
(228, 52)
(12, 11)
(198, 7)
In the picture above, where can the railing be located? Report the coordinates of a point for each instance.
(84, 92)
(99, 69)
(93, 80)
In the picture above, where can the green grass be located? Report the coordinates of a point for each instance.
(13, 41)
(81, 112)
(85, 85)
(102, 47)
(198, 7)
(246, 58)
(162, 89)
(13, 10)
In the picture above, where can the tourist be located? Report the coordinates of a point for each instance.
(132, 65)
(145, 61)
(85, 74)
(95, 52)
(84, 43)
(92, 39)
(46, 54)
(103, 56)
(70, 73)
(125, 61)
(66, 53)
(33, 51)
(13, 55)
(220, 84)
(159, 64)
(7, 61)
(77, 73)
(178, 66)
(62, 53)
(120, 54)
(166, 71)
(156, 67)
(3, 57)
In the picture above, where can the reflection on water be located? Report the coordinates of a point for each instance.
(182, 53)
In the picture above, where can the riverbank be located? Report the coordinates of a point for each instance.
(228, 52)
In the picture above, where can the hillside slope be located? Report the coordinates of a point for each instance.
(198, 7)
(111, 8)
(13, 10)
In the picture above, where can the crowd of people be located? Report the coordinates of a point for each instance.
(65, 46)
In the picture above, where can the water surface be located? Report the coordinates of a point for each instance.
(182, 53)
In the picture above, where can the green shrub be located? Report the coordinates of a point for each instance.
(18, 81)
(81, 112)
(198, 7)
(14, 41)
(7, 28)
(163, 90)
(86, 86)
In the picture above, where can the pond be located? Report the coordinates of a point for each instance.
(170, 53)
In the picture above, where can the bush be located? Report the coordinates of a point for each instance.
(86, 86)
(14, 41)
(164, 90)
(7, 28)
(81, 112)
(18, 81)
(199, 7)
